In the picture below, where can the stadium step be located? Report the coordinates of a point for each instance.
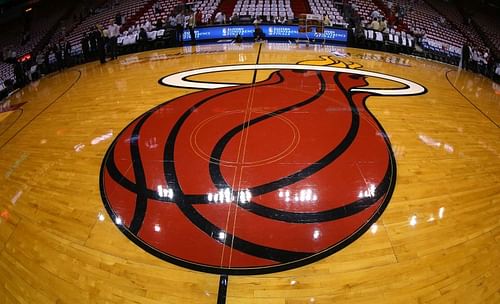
(300, 7)
(227, 7)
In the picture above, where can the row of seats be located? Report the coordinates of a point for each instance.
(126, 8)
(44, 18)
(490, 25)
(324, 7)
(452, 14)
(420, 15)
(166, 9)
(271, 9)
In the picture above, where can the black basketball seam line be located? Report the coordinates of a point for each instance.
(121, 227)
(44, 109)
(250, 271)
(474, 105)
(321, 216)
(345, 242)
(283, 215)
(306, 259)
(15, 120)
(215, 172)
(123, 181)
(141, 200)
(113, 170)
(196, 218)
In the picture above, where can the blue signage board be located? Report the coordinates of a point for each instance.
(271, 31)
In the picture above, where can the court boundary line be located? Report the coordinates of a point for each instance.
(466, 98)
(15, 120)
(44, 109)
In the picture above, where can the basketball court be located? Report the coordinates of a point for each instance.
(252, 173)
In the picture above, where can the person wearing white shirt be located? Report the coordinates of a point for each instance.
(375, 25)
(220, 18)
(375, 14)
(113, 33)
(148, 26)
(191, 26)
(179, 27)
(326, 20)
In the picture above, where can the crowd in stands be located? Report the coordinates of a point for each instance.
(100, 32)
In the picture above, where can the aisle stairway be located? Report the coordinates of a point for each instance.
(300, 7)
(227, 7)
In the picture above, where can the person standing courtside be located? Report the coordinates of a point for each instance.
(101, 44)
(192, 25)
(179, 27)
(113, 32)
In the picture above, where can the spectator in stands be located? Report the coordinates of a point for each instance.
(159, 24)
(57, 50)
(282, 20)
(464, 61)
(234, 19)
(39, 63)
(46, 61)
(118, 19)
(172, 21)
(85, 47)
(375, 25)
(375, 14)
(148, 26)
(359, 34)
(20, 74)
(179, 27)
(199, 17)
(101, 43)
(383, 25)
(191, 26)
(157, 8)
(258, 34)
(67, 54)
(326, 20)
(220, 18)
(113, 33)
(93, 36)
(143, 39)
(364, 22)
(389, 4)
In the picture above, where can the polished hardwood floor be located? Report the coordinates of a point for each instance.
(438, 240)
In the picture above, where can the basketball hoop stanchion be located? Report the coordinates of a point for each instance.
(308, 22)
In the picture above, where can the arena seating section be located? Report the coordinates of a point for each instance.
(325, 7)
(166, 7)
(44, 19)
(269, 8)
(452, 14)
(365, 7)
(127, 8)
(489, 25)
(428, 15)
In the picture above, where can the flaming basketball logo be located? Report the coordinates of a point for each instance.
(254, 178)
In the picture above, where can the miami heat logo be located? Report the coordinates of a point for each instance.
(254, 178)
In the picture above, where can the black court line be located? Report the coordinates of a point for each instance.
(224, 280)
(44, 109)
(21, 111)
(221, 295)
(477, 108)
